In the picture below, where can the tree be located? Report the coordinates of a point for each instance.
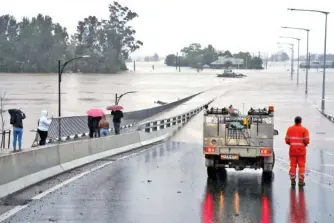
(280, 56)
(170, 60)
(195, 56)
(155, 57)
(209, 55)
(225, 54)
(284, 56)
(123, 41)
(34, 45)
(228, 64)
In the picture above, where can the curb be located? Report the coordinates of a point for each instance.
(329, 117)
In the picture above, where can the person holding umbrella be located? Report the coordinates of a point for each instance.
(16, 120)
(117, 116)
(94, 117)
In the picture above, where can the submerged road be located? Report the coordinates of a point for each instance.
(168, 182)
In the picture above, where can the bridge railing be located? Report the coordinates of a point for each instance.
(75, 127)
(156, 125)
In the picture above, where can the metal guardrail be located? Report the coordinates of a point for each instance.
(75, 127)
(156, 125)
(329, 117)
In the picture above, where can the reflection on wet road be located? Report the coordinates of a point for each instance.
(243, 196)
(168, 182)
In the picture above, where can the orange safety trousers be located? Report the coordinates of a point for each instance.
(300, 161)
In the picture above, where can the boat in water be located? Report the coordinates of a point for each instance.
(230, 74)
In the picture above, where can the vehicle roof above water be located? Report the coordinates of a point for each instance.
(236, 112)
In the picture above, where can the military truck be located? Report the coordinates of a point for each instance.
(233, 140)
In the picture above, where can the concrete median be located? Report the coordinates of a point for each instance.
(23, 169)
(20, 170)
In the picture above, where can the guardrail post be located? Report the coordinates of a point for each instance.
(168, 123)
(3, 138)
(155, 127)
(162, 124)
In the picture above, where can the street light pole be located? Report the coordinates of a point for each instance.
(307, 53)
(298, 39)
(118, 98)
(325, 48)
(292, 53)
(60, 72)
(324, 70)
(307, 64)
(59, 101)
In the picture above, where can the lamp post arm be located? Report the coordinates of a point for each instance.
(119, 97)
(67, 62)
(308, 10)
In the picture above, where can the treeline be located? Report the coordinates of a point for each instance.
(35, 45)
(195, 56)
(280, 56)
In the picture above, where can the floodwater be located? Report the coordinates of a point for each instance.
(80, 92)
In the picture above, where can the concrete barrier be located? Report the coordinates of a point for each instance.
(22, 169)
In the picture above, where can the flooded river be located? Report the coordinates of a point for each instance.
(80, 92)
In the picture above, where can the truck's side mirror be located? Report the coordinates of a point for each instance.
(275, 132)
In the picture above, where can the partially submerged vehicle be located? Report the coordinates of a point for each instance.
(230, 74)
(232, 140)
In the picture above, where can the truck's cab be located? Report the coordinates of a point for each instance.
(232, 140)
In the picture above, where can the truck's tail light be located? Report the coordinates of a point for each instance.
(265, 151)
(209, 149)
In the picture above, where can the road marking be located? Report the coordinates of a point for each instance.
(52, 189)
(310, 170)
(310, 179)
(328, 165)
(329, 153)
(16, 209)
(11, 212)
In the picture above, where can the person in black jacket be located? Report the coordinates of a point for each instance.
(90, 126)
(117, 116)
(93, 125)
(16, 120)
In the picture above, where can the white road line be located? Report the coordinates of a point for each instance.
(310, 179)
(16, 209)
(52, 189)
(329, 153)
(328, 165)
(11, 212)
(310, 170)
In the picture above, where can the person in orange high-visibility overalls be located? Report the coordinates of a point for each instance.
(297, 137)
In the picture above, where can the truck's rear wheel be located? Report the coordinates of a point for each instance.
(268, 174)
(222, 173)
(212, 173)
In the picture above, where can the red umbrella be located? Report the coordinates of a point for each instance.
(95, 112)
(115, 107)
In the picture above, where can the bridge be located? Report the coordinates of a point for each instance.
(157, 172)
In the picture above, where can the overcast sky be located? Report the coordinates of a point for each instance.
(165, 26)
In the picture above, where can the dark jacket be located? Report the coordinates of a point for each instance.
(16, 117)
(93, 122)
(117, 116)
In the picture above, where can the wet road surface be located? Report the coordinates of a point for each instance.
(168, 182)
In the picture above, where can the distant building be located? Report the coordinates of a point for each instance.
(224, 62)
(317, 64)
